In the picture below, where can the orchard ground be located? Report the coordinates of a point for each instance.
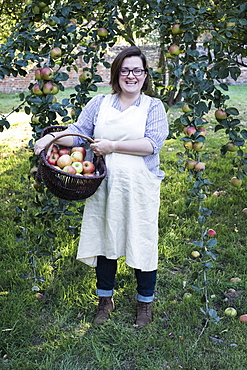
(55, 329)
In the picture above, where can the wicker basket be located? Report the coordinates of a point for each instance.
(64, 185)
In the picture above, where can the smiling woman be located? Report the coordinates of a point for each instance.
(122, 216)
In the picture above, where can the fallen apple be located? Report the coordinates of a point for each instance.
(195, 254)
(235, 182)
(243, 318)
(211, 233)
(64, 160)
(230, 312)
(39, 295)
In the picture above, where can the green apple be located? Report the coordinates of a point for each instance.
(176, 29)
(186, 108)
(230, 312)
(78, 166)
(236, 182)
(174, 50)
(195, 254)
(36, 90)
(102, 32)
(86, 75)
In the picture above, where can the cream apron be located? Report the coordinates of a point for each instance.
(121, 218)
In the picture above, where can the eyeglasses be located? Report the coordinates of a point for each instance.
(136, 71)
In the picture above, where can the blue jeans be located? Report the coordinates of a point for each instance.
(105, 273)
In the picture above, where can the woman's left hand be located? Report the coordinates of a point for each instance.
(102, 146)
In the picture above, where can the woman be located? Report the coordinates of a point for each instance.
(121, 218)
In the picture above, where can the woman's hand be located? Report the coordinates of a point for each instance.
(102, 146)
(42, 143)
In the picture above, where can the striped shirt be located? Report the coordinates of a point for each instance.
(156, 127)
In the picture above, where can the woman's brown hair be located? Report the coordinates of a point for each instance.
(131, 51)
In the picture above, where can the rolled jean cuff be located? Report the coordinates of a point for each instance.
(104, 293)
(141, 298)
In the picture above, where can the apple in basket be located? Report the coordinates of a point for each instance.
(88, 167)
(79, 149)
(64, 160)
(63, 151)
(54, 148)
(70, 169)
(78, 166)
(53, 158)
(77, 156)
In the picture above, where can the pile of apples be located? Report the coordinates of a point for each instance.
(71, 161)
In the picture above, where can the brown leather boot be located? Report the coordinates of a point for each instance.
(144, 314)
(105, 307)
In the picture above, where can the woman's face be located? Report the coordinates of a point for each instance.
(131, 84)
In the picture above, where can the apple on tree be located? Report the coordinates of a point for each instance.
(174, 50)
(186, 108)
(176, 29)
(189, 130)
(188, 145)
(231, 147)
(200, 166)
(46, 73)
(50, 88)
(220, 114)
(36, 90)
(85, 75)
(56, 53)
(198, 146)
(37, 74)
(190, 164)
(102, 32)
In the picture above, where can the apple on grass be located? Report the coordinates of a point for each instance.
(64, 160)
(88, 167)
(46, 73)
(243, 318)
(54, 148)
(79, 149)
(53, 158)
(211, 233)
(230, 312)
(78, 166)
(63, 151)
(77, 157)
(195, 254)
(235, 182)
(70, 169)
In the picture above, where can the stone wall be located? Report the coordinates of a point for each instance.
(19, 83)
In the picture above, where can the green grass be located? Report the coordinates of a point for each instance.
(57, 333)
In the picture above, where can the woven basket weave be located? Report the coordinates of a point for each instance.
(64, 185)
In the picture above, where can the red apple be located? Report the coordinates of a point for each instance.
(235, 182)
(64, 160)
(202, 131)
(79, 149)
(39, 295)
(77, 157)
(174, 50)
(37, 74)
(200, 166)
(102, 32)
(46, 73)
(50, 88)
(188, 145)
(243, 318)
(36, 90)
(63, 151)
(53, 158)
(69, 169)
(56, 53)
(176, 29)
(88, 167)
(55, 149)
(189, 130)
(86, 75)
(220, 114)
(198, 146)
(211, 233)
(78, 166)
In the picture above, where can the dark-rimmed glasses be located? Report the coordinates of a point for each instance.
(136, 71)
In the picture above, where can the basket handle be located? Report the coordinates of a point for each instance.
(53, 141)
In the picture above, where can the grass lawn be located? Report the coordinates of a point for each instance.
(38, 244)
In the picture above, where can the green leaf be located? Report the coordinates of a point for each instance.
(211, 243)
(232, 111)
